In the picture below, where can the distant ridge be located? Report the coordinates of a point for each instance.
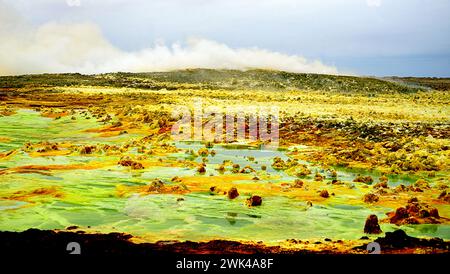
(231, 79)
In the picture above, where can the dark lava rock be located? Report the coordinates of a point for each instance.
(233, 193)
(254, 200)
(372, 226)
(399, 239)
(35, 243)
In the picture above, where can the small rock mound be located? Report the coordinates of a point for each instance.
(247, 169)
(444, 196)
(254, 200)
(410, 188)
(363, 179)
(422, 184)
(298, 183)
(233, 193)
(87, 149)
(324, 194)
(372, 226)
(318, 177)
(381, 185)
(156, 186)
(203, 152)
(127, 161)
(371, 198)
(201, 169)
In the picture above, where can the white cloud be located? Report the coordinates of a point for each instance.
(73, 3)
(374, 3)
(82, 48)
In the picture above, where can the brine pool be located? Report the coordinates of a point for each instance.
(90, 201)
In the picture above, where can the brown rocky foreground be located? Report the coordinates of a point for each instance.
(47, 242)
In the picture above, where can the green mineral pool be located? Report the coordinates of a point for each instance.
(90, 199)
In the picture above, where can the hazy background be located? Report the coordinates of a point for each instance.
(364, 37)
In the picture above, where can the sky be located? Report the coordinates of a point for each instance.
(357, 37)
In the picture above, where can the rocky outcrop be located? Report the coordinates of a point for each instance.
(254, 200)
(127, 161)
(324, 194)
(371, 198)
(372, 226)
(233, 193)
(414, 213)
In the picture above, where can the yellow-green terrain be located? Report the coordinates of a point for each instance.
(95, 153)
